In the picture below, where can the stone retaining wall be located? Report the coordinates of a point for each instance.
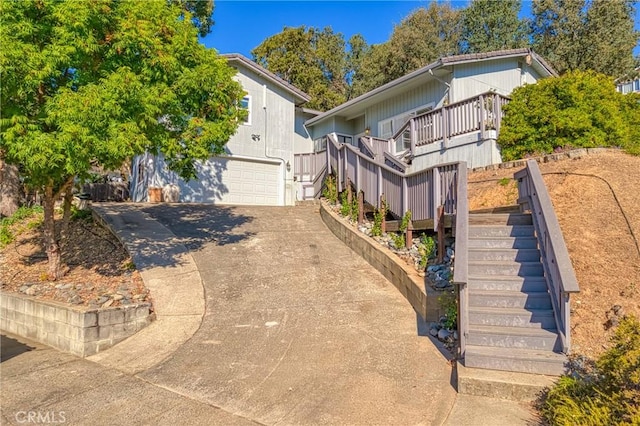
(404, 277)
(573, 154)
(71, 329)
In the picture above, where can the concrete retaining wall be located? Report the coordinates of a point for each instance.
(70, 329)
(404, 277)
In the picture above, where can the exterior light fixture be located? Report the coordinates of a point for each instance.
(288, 166)
(367, 131)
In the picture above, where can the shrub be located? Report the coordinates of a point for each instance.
(426, 250)
(330, 190)
(378, 217)
(8, 231)
(608, 395)
(578, 110)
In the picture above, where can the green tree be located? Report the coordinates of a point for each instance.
(421, 38)
(313, 60)
(489, 25)
(94, 83)
(580, 109)
(577, 35)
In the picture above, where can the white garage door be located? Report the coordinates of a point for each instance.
(235, 181)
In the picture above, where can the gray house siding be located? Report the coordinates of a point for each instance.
(254, 168)
(432, 92)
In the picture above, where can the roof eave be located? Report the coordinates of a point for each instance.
(301, 96)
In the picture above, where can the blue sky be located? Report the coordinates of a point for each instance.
(242, 25)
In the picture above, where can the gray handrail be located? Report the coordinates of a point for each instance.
(461, 262)
(559, 274)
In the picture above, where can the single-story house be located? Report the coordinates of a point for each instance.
(447, 111)
(258, 166)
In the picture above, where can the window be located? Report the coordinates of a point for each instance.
(245, 103)
(388, 127)
(320, 144)
(345, 139)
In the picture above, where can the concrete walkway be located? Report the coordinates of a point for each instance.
(263, 317)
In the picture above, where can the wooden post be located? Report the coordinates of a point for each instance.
(408, 238)
(360, 207)
(441, 247)
(349, 193)
(383, 207)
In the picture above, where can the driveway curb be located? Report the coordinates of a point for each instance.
(172, 277)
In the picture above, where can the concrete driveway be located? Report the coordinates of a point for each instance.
(294, 329)
(298, 329)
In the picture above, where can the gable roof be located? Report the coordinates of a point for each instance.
(537, 61)
(300, 96)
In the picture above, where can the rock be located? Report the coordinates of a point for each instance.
(433, 332)
(455, 335)
(107, 303)
(102, 300)
(32, 291)
(443, 334)
(76, 300)
(23, 289)
(433, 268)
(442, 284)
(117, 297)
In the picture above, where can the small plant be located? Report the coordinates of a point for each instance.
(129, 265)
(398, 240)
(345, 207)
(330, 190)
(77, 214)
(608, 395)
(426, 250)
(9, 228)
(378, 217)
(449, 305)
(504, 181)
(354, 208)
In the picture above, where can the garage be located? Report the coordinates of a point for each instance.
(235, 181)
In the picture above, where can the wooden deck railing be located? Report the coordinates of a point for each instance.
(477, 114)
(559, 273)
(307, 166)
(421, 192)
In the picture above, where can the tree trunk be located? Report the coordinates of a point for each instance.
(50, 241)
(10, 188)
(66, 214)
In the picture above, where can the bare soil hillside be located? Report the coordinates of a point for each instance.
(597, 200)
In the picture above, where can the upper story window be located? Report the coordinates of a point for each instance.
(245, 103)
(320, 144)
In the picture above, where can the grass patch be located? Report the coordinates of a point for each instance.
(24, 218)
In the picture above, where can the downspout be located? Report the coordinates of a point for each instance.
(266, 150)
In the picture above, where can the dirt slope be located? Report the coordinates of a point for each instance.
(597, 200)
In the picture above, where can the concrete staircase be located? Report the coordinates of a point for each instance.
(511, 322)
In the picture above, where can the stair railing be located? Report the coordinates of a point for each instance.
(461, 263)
(559, 274)
(421, 192)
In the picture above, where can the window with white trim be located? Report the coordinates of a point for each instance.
(320, 144)
(245, 103)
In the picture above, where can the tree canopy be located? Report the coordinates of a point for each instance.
(94, 83)
(489, 25)
(597, 35)
(313, 60)
(580, 109)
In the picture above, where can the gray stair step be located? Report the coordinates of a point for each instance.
(500, 219)
(503, 242)
(521, 360)
(500, 231)
(511, 337)
(516, 255)
(508, 283)
(509, 299)
(512, 317)
(497, 267)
